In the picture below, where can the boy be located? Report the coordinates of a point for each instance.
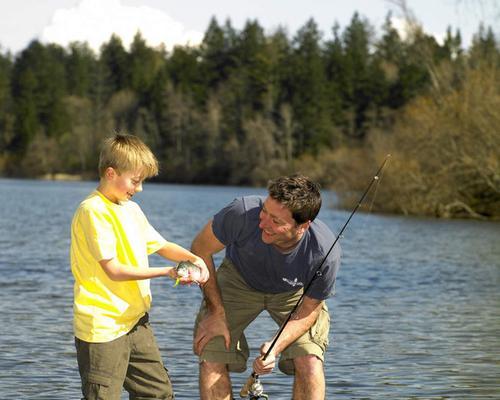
(110, 243)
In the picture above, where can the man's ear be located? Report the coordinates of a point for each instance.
(305, 226)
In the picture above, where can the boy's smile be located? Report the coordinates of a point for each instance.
(120, 187)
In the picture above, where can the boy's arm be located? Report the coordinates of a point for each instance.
(178, 253)
(214, 324)
(117, 271)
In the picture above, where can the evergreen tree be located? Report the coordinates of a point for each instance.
(38, 88)
(335, 75)
(6, 116)
(217, 53)
(484, 48)
(308, 90)
(254, 66)
(114, 67)
(144, 65)
(358, 89)
(185, 71)
(81, 69)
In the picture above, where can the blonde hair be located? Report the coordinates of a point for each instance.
(127, 153)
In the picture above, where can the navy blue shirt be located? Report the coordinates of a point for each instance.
(266, 269)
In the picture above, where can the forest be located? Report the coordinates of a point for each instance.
(246, 106)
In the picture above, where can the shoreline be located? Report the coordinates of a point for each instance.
(61, 177)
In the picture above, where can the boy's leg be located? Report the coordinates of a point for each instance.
(102, 367)
(147, 377)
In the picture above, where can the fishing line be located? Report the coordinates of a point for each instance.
(376, 190)
(252, 386)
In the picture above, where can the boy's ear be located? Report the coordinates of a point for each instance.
(110, 173)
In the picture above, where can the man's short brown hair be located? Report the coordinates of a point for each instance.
(127, 153)
(297, 193)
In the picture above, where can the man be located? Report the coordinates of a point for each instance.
(274, 247)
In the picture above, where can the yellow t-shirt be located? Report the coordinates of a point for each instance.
(105, 309)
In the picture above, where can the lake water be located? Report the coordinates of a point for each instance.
(416, 315)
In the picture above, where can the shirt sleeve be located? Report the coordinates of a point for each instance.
(98, 232)
(323, 285)
(229, 222)
(154, 240)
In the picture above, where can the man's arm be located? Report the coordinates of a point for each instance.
(214, 324)
(300, 322)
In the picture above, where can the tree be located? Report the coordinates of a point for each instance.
(81, 69)
(307, 81)
(144, 64)
(6, 116)
(38, 87)
(114, 67)
(185, 72)
(217, 53)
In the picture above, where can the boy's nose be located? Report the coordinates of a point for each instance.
(138, 188)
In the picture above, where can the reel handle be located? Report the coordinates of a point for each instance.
(245, 390)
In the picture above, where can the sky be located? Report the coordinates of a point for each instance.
(173, 22)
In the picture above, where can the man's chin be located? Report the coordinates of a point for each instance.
(267, 239)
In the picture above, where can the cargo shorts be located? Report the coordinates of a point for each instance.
(242, 305)
(131, 361)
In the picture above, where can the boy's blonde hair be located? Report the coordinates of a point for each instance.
(127, 153)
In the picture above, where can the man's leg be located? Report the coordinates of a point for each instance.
(215, 383)
(309, 383)
(242, 305)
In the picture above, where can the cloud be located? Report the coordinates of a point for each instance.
(94, 21)
(404, 29)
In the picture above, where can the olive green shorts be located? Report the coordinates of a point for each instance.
(131, 361)
(242, 305)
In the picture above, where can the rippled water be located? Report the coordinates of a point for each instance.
(416, 315)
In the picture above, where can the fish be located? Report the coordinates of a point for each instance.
(187, 269)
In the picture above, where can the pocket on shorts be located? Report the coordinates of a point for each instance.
(96, 386)
(321, 328)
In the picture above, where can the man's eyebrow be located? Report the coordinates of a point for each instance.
(272, 215)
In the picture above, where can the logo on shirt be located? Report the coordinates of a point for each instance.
(293, 283)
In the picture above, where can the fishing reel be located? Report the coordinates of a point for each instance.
(257, 391)
(253, 389)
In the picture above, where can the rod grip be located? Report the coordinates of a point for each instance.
(246, 387)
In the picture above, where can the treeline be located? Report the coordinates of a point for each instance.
(245, 106)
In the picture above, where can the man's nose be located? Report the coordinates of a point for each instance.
(263, 219)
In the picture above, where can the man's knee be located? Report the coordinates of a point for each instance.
(209, 367)
(309, 364)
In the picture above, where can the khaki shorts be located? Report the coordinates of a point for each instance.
(242, 305)
(132, 361)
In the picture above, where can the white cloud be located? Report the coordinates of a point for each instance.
(94, 21)
(404, 29)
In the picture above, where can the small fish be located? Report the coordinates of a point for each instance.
(187, 269)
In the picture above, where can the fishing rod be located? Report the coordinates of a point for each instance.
(252, 386)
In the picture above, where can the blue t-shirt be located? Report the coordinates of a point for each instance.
(266, 269)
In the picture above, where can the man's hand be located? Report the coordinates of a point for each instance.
(205, 274)
(261, 366)
(209, 327)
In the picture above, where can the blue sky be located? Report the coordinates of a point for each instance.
(184, 21)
